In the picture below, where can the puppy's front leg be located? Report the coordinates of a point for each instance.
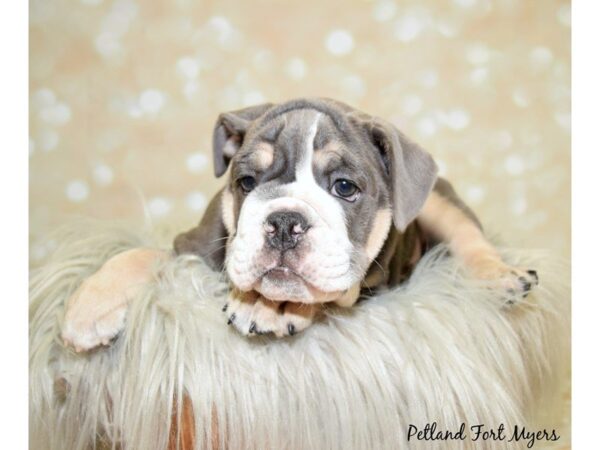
(449, 220)
(252, 314)
(95, 313)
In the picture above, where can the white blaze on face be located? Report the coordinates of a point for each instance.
(324, 258)
(327, 265)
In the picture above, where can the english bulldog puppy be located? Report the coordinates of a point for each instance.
(323, 203)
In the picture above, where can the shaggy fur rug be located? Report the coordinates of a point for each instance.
(441, 348)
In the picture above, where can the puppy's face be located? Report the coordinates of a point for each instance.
(309, 202)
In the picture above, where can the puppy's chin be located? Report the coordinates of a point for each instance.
(282, 284)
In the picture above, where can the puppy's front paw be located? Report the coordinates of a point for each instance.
(95, 313)
(516, 282)
(93, 317)
(251, 314)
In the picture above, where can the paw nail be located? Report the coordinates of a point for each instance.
(252, 328)
(225, 306)
(231, 319)
(291, 329)
(534, 274)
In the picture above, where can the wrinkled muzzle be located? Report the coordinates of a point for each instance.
(293, 248)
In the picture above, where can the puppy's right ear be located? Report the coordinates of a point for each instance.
(229, 132)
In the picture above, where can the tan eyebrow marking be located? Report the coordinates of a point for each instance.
(263, 155)
(323, 155)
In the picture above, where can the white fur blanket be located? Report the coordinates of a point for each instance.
(441, 348)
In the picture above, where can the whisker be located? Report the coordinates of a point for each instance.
(214, 251)
(219, 239)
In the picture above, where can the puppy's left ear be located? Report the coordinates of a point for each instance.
(411, 170)
(229, 133)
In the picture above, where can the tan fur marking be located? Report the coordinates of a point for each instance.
(96, 310)
(263, 155)
(304, 310)
(227, 211)
(449, 224)
(322, 156)
(350, 296)
(379, 231)
(467, 242)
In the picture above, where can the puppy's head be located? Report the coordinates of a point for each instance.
(313, 190)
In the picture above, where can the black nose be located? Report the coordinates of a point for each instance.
(284, 229)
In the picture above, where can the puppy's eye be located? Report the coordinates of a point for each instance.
(345, 189)
(247, 184)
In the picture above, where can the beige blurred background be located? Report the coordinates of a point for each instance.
(124, 95)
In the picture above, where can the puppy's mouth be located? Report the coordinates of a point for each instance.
(282, 274)
(282, 283)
